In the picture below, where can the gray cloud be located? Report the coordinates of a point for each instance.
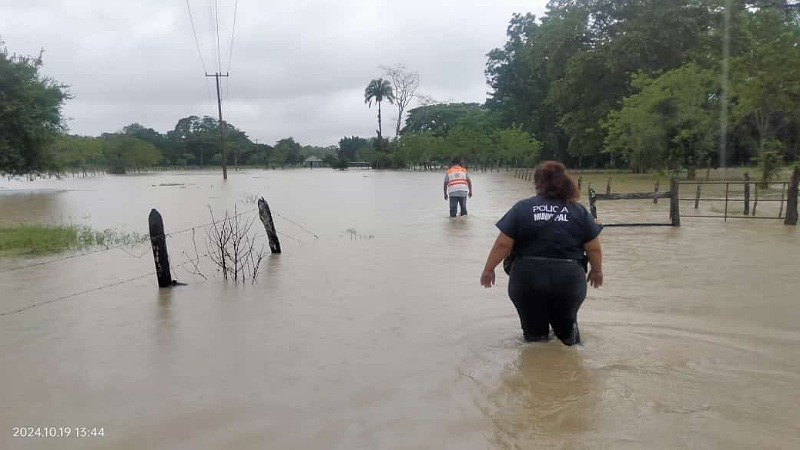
(297, 68)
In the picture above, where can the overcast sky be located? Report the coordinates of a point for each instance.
(297, 67)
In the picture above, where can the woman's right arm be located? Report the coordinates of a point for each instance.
(595, 253)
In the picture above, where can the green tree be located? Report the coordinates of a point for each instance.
(286, 151)
(350, 146)
(123, 153)
(440, 118)
(669, 122)
(515, 146)
(30, 113)
(378, 90)
(77, 153)
(765, 80)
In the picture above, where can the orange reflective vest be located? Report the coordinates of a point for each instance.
(457, 179)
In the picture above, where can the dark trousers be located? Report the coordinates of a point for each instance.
(548, 293)
(454, 202)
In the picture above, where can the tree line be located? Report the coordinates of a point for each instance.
(641, 84)
(636, 84)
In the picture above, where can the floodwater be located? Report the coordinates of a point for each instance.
(376, 334)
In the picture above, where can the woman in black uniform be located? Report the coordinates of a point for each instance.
(549, 234)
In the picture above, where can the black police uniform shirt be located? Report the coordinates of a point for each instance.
(529, 224)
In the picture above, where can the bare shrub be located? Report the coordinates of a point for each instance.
(232, 249)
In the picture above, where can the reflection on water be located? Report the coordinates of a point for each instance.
(389, 341)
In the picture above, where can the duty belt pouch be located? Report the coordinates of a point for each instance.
(508, 263)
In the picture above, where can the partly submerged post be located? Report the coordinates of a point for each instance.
(755, 199)
(784, 190)
(266, 218)
(674, 205)
(697, 197)
(791, 198)
(746, 193)
(727, 192)
(608, 186)
(592, 200)
(159, 243)
(655, 192)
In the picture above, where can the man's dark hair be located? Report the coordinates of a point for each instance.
(456, 161)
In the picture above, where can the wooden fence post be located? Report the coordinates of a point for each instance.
(608, 186)
(266, 218)
(697, 197)
(784, 189)
(727, 190)
(592, 200)
(655, 192)
(674, 205)
(755, 199)
(791, 198)
(159, 243)
(746, 193)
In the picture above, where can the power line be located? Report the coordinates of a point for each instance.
(219, 53)
(194, 32)
(233, 33)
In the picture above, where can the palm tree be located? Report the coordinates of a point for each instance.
(379, 90)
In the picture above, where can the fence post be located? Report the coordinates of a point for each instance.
(697, 197)
(674, 205)
(791, 198)
(746, 193)
(655, 192)
(580, 183)
(266, 218)
(755, 198)
(727, 189)
(159, 243)
(592, 200)
(784, 189)
(608, 186)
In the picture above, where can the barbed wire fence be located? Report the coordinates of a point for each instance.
(194, 261)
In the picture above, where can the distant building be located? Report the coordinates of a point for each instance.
(313, 161)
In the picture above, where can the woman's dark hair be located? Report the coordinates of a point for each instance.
(552, 181)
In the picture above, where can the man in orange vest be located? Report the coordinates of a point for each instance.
(457, 186)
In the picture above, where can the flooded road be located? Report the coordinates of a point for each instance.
(376, 334)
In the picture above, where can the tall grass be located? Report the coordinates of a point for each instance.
(35, 239)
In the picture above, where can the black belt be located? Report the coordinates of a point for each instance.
(556, 260)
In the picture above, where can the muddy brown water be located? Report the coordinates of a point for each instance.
(377, 333)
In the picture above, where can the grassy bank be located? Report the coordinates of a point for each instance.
(35, 239)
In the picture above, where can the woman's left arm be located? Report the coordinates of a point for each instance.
(501, 248)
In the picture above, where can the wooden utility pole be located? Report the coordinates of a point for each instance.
(221, 127)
